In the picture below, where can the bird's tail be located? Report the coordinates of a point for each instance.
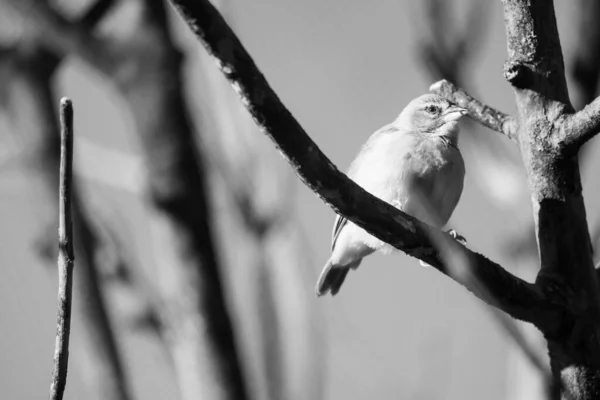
(332, 277)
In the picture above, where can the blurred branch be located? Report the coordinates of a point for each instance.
(146, 67)
(197, 325)
(537, 360)
(149, 315)
(480, 112)
(66, 257)
(28, 102)
(462, 266)
(96, 12)
(64, 36)
(444, 48)
(512, 295)
(586, 57)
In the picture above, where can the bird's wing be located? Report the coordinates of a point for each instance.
(339, 223)
(367, 149)
(361, 171)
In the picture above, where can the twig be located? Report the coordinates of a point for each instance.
(480, 112)
(513, 295)
(581, 126)
(65, 252)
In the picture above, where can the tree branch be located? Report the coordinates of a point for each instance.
(65, 253)
(480, 112)
(578, 128)
(535, 58)
(511, 294)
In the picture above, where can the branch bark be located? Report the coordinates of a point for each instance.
(510, 294)
(66, 257)
(546, 131)
(580, 127)
(535, 69)
(480, 112)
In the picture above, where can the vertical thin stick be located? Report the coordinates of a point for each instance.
(65, 253)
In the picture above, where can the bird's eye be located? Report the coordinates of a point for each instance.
(431, 109)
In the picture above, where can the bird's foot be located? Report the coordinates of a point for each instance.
(456, 236)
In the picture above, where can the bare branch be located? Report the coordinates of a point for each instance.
(29, 102)
(578, 128)
(511, 294)
(487, 116)
(66, 256)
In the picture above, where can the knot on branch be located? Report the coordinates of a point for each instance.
(516, 73)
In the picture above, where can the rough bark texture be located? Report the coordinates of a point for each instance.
(485, 115)
(565, 295)
(66, 256)
(387, 223)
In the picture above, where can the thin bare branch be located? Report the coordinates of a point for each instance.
(480, 112)
(511, 294)
(28, 104)
(66, 255)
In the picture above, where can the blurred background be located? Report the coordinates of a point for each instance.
(197, 249)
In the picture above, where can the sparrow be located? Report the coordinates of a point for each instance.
(415, 165)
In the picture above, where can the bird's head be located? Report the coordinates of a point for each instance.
(430, 115)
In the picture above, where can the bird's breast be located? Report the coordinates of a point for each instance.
(430, 182)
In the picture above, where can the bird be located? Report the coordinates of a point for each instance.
(415, 165)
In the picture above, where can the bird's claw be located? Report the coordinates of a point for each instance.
(459, 238)
(456, 236)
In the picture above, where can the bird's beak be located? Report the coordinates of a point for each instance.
(453, 113)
